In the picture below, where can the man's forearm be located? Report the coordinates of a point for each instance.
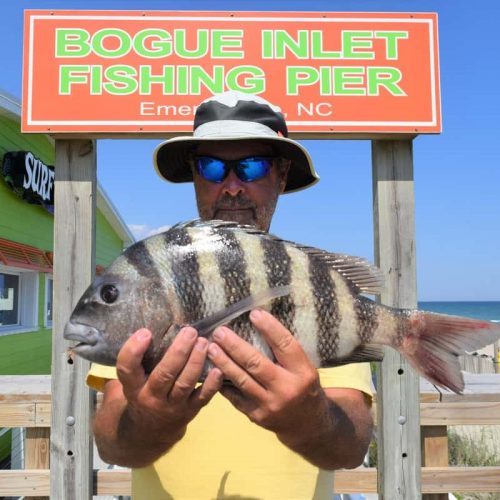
(337, 436)
(124, 438)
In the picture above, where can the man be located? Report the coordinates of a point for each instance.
(277, 430)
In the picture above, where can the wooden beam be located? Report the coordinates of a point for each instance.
(24, 388)
(16, 483)
(434, 480)
(118, 482)
(475, 412)
(17, 415)
(37, 444)
(434, 453)
(74, 263)
(397, 385)
(37, 451)
(456, 413)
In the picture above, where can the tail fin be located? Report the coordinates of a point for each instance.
(435, 341)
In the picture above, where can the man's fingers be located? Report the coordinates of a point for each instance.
(129, 362)
(239, 362)
(189, 376)
(288, 351)
(205, 392)
(165, 373)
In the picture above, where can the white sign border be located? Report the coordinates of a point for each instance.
(33, 18)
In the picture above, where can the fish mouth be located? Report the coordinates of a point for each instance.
(85, 335)
(92, 344)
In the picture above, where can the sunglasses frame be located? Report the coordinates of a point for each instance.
(235, 166)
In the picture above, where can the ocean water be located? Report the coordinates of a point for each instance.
(480, 310)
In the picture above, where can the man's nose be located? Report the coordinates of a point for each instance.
(233, 186)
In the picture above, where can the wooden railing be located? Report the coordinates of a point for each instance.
(25, 401)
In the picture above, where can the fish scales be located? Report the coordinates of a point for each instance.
(278, 270)
(208, 283)
(387, 325)
(209, 273)
(162, 259)
(232, 264)
(186, 274)
(144, 263)
(305, 323)
(256, 270)
(328, 316)
(349, 320)
(368, 319)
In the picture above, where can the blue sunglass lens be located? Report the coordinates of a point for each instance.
(253, 169)
(211, 169)
(247, 169)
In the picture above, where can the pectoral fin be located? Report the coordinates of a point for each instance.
(207, 325)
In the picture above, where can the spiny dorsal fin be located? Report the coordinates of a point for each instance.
(361, 275)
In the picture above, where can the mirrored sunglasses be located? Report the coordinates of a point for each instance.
(248, 169)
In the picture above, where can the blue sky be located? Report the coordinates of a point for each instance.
(457, 173)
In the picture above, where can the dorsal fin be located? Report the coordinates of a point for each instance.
(362, 276)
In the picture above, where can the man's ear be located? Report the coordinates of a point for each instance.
(284, 169)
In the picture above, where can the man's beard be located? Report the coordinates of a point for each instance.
(241, 210)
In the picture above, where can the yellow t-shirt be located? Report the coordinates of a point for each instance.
(225, 456)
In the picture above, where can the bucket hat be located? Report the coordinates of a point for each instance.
(236, 116)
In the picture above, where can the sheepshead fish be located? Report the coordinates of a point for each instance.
(206, 274)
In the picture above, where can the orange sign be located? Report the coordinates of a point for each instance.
(112, 72)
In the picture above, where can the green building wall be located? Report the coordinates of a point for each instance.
(30, 353)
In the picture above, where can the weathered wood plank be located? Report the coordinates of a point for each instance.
(17, 415)
(356, 481)
(43, 413)
(117, 482)
(461, 479)
(397, 384)
(465, 413)
(434, 480)
(24, 388)
(14, 483)
(434, 446)
(37, 448)
(25, 415)
(74, 263)
(107, 482)
(434, 453)
(439, 414)
(37, 452)
(431, 413)
(476, 385)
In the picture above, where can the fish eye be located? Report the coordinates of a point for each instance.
(109, 293)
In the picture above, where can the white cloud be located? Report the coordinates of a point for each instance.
(141, 231)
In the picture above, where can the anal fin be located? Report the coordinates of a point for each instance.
(362, 354)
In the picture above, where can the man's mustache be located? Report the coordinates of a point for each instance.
(238, 202)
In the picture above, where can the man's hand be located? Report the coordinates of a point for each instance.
(286, 398)
(143, 416)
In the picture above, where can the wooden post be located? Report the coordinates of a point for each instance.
(74, 264)
(435, 453)
(37, 451)
(397, 385)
